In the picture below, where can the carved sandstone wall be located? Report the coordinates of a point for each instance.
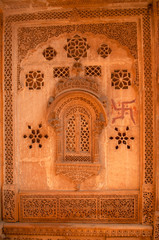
(78, 123)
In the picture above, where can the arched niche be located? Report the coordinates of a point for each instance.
(78, 117)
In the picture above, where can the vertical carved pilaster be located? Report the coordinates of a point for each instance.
(9, 190)
(9, 204)
(1, 112)
(148, 165)
(156, 226)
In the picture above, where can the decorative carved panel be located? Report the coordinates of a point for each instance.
(77, 207)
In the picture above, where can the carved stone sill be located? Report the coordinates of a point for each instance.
(77, 173)
(78, 230)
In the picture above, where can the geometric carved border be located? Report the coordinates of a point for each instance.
(92, 207)
(148, 171)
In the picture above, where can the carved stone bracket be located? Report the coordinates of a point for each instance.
(78, 173)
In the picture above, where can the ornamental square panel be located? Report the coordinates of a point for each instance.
(39, 207)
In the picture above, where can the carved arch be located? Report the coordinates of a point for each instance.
(78, 117)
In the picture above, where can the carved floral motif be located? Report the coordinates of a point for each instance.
(122, 138)
(104, 50)
(121, 79)
(49, 53)
(35, 136)
(34, 80)
(76, 47)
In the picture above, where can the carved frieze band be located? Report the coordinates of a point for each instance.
(86, 207)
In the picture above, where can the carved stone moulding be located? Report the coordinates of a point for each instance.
(25, 4)
(81, 207)
(27, 231)
(77, 83)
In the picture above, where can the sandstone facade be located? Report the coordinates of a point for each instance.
(79, 120)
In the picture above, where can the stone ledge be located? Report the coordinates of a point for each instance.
(81, 230)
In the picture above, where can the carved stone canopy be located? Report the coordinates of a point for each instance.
(78, 117)
(77, 83)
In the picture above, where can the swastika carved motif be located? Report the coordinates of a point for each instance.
(123, 108)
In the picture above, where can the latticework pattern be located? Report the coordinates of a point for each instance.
(85, 139)
(70, 135)
(93, 71)
(61, 72)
